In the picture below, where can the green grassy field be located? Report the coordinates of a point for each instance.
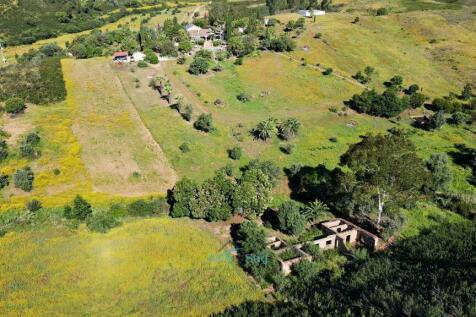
(304, 93)
(153, 267)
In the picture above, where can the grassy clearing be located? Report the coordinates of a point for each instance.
(426, 217)
(121, 156)
(303, 92)
(289, 90)
(153, 267)
(424, 47)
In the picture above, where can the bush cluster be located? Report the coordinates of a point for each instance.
(217, 198)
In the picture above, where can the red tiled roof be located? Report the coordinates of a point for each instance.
(120, 54)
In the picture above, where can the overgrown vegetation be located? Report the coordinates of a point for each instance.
(402, 278)
(37, 79)
(28, 21)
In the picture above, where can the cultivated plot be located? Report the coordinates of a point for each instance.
(119, 152)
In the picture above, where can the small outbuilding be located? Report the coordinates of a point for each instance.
(121, 57)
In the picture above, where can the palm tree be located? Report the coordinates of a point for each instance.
(179, 103)
(168, 91)
(265, 129)
(289, 128)
(315, 210)
(160, 86)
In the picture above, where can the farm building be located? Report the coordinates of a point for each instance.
(311, 13)
(121, 57)
(338, 234)
(197, 33)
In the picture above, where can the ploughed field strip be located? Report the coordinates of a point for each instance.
(117, 149)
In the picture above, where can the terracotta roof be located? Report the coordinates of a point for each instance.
(120, 54)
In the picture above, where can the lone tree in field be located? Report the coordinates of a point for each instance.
(387, 170)
(15, 105)
(265, 129)
(167, 92)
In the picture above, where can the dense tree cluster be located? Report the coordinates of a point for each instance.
(391, 102)
(221, 196)
(462, 108)
(99, 43)
(253, 255)
(382, 173)
(429, 275)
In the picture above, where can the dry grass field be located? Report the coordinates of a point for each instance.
(118, 151)
(433, 49)
(152, 267)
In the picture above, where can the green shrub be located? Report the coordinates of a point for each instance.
(29, 145)
(182, 194)
(152, 206)
(382, 11)
(142, 64)
(217, 68)
(3, 150)
(102, 221)
(4, 182)
(15, 105)
(152, 58)
(181, 60)
(187, 114)
(23, 179)
(235, 153)
(184, 147)
(81, 209)
(34, 205)
(288, 148)
(199, 65)
(204, 122)
(327, 71)
(312, 249)
(243, 97)
(239, 61)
